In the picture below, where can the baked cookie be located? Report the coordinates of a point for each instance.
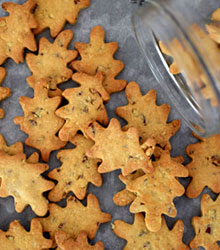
(18, 238)
(112, 140)
(54, 14)
(65, 242)
(75, 217)
(207, 227)
(155, 191)
(76, 172)
(98, 56)
(13, 40)
(24, 182)
(51, 62)
(11, 150)
(205, 166)
(85, 105)
(138, 237)
(143, 113)
(40, 122)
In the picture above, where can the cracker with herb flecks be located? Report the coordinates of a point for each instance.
(205, 166)
(85, 105)
(54, 14)
(65, 242)
(207, 227)
(118, 149)
(125, 197)
(143, 113)
(75, 217)
(138, 237)
(16, 31)
(76, 172)
(24, 182)
(4, 92)
(51, 62)
(98, 56)
(40, 122)
(155, 191)
(18, 238)
(11, 150)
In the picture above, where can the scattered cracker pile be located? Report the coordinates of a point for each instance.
(140, 149)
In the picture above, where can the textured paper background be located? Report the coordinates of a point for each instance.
(114, 16)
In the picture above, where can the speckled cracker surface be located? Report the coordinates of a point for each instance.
(75, 217)
(207, 227)
(112, 140)
(97, 56)
(4, 91)
(54, 14)
(138, 237)
(85, 105)
(156, 191)
(65, 242)
(18, 238)
(204, 167)
(14, 41)
(143, 113)
(40, 122)
(24, 182)
(76, 171)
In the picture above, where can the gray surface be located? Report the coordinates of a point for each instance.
(114, 16)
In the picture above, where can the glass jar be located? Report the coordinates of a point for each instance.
(184, 57)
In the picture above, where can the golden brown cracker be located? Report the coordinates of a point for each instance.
(118, 149)
(24, 182)
(4, 92)
(143, 113)
(98, 56)
(216, 15)
(75, 217)
(205, 166)
(155, 191)
(173, 66)
(125, 197)
(207, 227)
(76, 172)
(54, 14)
(18, 238)
(138, 237)
(13, 40)
(40, 122)
(65, 242)
(11, 150)
(214, 31)
(85, 105)
(51, 62)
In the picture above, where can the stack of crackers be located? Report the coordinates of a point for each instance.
(141, 149)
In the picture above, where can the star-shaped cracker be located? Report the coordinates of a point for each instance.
(4, 92)
(85, 105)
(118, 149)
(54, 14)
(18, 238)
(65, 242)
(143, 113)
(51, 61)
(76, 171)
(205, 166)
(139, 237)
(98, 56)
(11, 150)
(75, 217)
(155, 191)
(207, 227)
(40, 122)
(16, 31)
(24, 182)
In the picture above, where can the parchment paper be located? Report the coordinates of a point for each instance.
(114, 16)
